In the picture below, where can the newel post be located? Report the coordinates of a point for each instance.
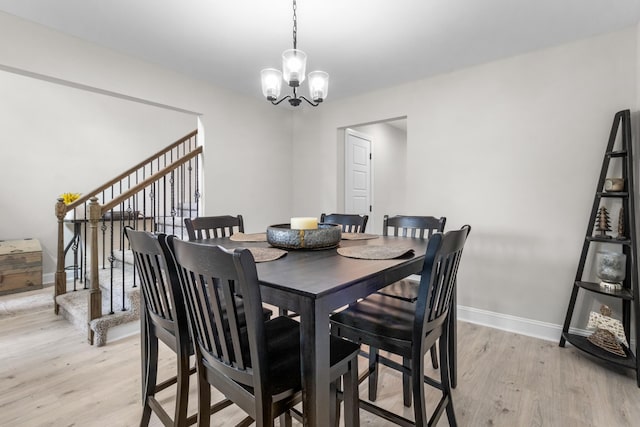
(95, 294)
(61, 275)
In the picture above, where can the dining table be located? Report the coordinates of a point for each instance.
(314, 283)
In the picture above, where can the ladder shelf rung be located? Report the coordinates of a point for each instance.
(621, 153)
(612, 240)
(623, 293)
(620, 194)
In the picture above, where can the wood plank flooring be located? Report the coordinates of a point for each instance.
(50, 376)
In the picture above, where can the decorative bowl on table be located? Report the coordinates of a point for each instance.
(324, 237)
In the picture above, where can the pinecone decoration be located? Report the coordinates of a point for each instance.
(602, 222)
(620, 235)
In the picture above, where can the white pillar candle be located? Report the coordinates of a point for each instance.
(304, 223)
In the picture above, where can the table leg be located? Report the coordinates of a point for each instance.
(314, 349)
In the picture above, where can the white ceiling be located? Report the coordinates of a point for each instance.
(363, 44)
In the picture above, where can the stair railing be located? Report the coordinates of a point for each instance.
(153, 195)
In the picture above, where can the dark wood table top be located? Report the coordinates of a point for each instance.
(315, 273)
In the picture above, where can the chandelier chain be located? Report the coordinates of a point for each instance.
(295, 26)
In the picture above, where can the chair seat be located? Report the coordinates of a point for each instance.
(406, 289)
(283, 353)
(380, 315)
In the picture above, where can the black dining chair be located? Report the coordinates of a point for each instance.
(258, 366)
(411, 329)
(208, 227)
(351, 223)
(419, 227)
(163, 318)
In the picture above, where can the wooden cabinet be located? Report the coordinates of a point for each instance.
(20, 266)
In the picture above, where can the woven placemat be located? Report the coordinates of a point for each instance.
(266, 254)
(374, 252)
(250, 237)
(358, 236)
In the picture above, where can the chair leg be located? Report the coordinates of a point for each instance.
(453, 341)
(334, 403)
(445, 376)
(285, 420)
(434, 356)
(373, 377)
(150, 376)
(351, 398)
(417, 384)
(264, 411)
(182, 389)
(406, 383)
(204, 397)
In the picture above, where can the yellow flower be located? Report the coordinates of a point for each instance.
(69, 198)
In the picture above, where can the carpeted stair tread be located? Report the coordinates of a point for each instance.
(73, 305)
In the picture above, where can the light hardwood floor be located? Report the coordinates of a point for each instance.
(50, 376)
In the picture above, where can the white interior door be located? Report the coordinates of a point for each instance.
(358, 175)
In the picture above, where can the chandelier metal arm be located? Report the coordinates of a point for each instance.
(310, 102)
(281, 99)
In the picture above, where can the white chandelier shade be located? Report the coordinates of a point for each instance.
(318, 85)
(271, 83)
(294, 66)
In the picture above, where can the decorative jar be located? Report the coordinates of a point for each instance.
(611, 269)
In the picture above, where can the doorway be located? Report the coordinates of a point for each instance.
(387, 173)
(357, 174)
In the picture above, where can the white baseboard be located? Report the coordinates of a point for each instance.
(50, 278)
(519, 325)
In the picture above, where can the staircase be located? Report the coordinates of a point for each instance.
(103, 297)
(120, 319)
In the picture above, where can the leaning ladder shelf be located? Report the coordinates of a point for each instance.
(628, 296)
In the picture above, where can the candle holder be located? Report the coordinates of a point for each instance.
(326, 236)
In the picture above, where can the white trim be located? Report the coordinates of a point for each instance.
(69, 83)
(519, 325)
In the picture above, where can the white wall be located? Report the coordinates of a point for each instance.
(513, 147)
(389, 149)
(247, 148)
(57, 139)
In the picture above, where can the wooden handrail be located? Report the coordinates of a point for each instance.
(95, 211)
(126, 173)
(140, 186)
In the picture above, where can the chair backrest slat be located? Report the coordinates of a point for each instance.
(351, 223)
(211, 227)
(437, 284)
(213, 279)
(413, 226)
(163, 301)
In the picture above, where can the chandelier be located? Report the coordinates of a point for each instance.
(294, 64)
